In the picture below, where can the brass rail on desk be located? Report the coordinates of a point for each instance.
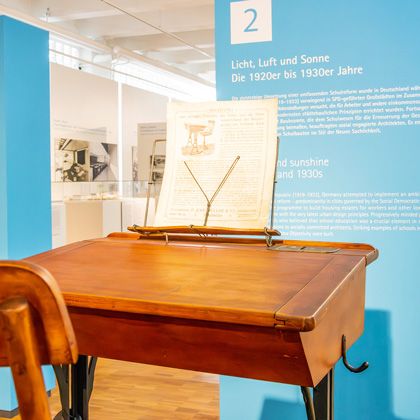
(202, 230)
(206, 233)
(265, 236)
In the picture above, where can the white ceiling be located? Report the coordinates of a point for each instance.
(188, 43)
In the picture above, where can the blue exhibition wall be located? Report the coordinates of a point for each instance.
(25, 180)
(347, 76)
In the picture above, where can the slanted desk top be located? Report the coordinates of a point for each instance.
(236, 309)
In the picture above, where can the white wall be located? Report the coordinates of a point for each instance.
(83, 106)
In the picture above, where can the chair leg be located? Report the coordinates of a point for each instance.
(22, 351)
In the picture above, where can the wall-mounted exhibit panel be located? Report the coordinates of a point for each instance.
(84, 122)
(92, 119)
(347, 79)
(147, 135)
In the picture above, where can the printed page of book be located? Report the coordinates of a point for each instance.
(207, 142)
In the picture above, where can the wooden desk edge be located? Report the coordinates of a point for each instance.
(171, 310)
(286, 319)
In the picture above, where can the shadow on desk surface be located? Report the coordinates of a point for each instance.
(367, 396)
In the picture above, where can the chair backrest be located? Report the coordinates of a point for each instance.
(35, 329)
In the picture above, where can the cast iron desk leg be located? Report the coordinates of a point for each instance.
(62, 376)
(309, 402)
(323, 392)
(79, 391)
(324, 398)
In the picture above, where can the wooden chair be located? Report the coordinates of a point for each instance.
(35, 329)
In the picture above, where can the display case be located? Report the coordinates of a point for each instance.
(86, 210)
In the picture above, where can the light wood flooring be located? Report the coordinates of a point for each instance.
(131, 391)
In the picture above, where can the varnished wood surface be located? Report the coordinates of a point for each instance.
(308, 307)
(133, 391)
(370, 253)
(227, 283)
(343, 315)
(34, 327)
(23, 357)
(234, 309)
(260, 352)
(229, 349)
(345, 248)
(39, 288)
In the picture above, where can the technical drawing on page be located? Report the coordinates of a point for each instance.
(199, 141)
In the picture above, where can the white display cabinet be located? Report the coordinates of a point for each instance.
(86, 210)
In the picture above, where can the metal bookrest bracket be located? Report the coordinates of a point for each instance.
(220, 186)
(268, 237)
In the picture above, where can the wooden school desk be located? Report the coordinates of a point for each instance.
(264, 309)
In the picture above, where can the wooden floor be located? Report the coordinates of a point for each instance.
(130, 391)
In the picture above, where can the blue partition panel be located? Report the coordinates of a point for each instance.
(25, 180)
(347, 76)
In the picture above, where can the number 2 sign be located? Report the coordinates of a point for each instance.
(250, 21)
